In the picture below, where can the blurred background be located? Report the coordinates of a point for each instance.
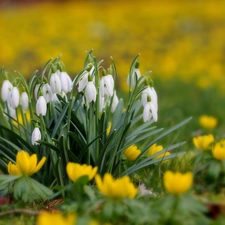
(181, 42)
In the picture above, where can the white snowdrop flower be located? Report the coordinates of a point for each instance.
(41, 106)
(102, 104)
(114, 102)
(90, 92)
(55, 83)
(36, 136)
(150, 112)
(149, 92)
(24, 100)
(107, 85)
(47, 92)
(66, 82)
(6, 88)
(36, 89)
(133, 78)
(14, 97)
(83, 82)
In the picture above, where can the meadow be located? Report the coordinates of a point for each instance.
(182, 43)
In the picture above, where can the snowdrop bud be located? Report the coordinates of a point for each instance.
(47, 91)
(65, 81)
(114, 102)
(132, 78)
(36, 136)
(107, 85)
(41, 106)
(90, 92)
(14, 97)
(24, 101)
(6, 88)
(55, 83)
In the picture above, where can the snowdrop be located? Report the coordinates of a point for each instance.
(66, 82)
(36, 136)
(107, 85)
(149, 93)
(55, 82)
(11, 111)
(150, 112)
(6, 88)
(114, 102)
(83, 82)
(41, 106)
(90, 92)
(47, 92)
(14, 97)
(24, 100)
(133, 78)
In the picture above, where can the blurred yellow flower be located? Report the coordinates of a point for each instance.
(46, 218)
(208, 122)
(76, 170)
(108, 129)
(26, 165)
(218, 150)
(157, 148)
(20, 118)
(176, 182)
(203, 142)
(116, 188)
(132, 152)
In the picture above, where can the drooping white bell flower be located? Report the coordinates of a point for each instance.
(10, 111)
(14, 97)
(107, 85)
(6, 88)
(114, 102)
(24, 100)
(47, 92)
(150, 112)
(55, 82)
(149, 92)
(41, 106)
(66, 82)
(83, 82)
(36, 136)
(90, 92)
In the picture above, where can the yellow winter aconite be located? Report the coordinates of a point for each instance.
(26, 165)
(76, 170)
(157, 148)
(176, 182)
(218, 150)
(132, 152)
(203, 142)
(208, 122)
(56, 219)
(116, 188)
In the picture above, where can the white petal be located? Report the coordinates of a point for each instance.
(6, 88)
(36, 136)
(66, 82)
(115, 102)
(90, 92)
(47, 91)
(24, 101)
(83, 82)
(41, 106)
(147, 115)
(14, 97)
(55, 83)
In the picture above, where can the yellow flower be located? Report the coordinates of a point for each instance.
(157, 148)
(218, 150)
(203, 142)
(108, 129)
(19, 119)
(132, 152)
(75, 171)
(116, 188)
(56, 219)
(208, 122)
(26, 165)
(177, 183)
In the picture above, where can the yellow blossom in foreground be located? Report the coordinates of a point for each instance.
(177, 183)
(19, 119)
(157, 148)
(218, 150)
(75, 171)
(47, 218)
(25, 164)
(203, 142)
(116, 188)
(208, 122)
(132, 152)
